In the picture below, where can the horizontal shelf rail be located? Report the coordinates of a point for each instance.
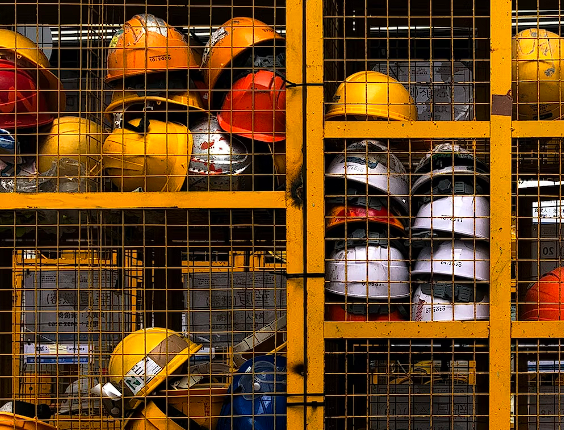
(147, 200)
(406, 329)
(407, 130)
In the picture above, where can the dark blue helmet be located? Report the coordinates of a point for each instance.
(257, 396)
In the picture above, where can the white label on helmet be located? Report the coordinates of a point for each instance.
(452, 219)
(451, 263)
(141, 374)
(436, 309)
(215, 37)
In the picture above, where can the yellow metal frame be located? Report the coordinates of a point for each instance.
(304, 203)
(75, 260)
(499, 130)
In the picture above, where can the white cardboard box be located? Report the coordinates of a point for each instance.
(550, 408)
(72, 306)
(226, 307)
(412, 407)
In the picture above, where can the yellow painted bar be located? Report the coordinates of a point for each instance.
(406, 329)
(407, 130)
(537, 329)
(537, 129)
(180, 200)
(294, 214)
(500, 222)
(315, 216)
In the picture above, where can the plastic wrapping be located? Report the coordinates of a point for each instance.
(69, 176)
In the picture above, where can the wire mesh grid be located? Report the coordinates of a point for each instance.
(399, 383)
(536, 383)
(437, 51)
(183, 312)
(536, 52)
(121, 97)
(407, 229)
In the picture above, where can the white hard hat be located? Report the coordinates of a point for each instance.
(372, 267)
(448, 154)
(217, 159)
(370, 162)
(460, 174)
(78, 397)
(428, 306)
(462, 259)
(463, 215)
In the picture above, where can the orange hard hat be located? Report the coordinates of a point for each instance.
(256, 107)
(229, 41)
(147, 44)
(545, 298)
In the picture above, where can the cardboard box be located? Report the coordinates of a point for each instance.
(413, 407)
(549, 404)
(226, 307)
(71, 306)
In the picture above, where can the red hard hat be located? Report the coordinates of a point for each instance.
(256, 107)
(545, 298)
(21, 103)
(354, 310)
(339, 214)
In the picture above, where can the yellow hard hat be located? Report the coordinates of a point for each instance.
(24, 51)
(155, 416)
(372, 95)
(123, 99)
(537, 71)
(11, 421)
(144, 359)
(75, 138)
(154, 159)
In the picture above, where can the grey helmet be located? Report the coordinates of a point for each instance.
(219, 160)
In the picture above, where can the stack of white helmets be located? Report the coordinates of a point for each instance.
(367, 271)
(450, 202)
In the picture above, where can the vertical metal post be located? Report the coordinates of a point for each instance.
(315, 213)
(6, 290)
(500, 223)
(305, 214)
(294, 213)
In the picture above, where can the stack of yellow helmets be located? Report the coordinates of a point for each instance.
(537, 75)
(141, 364)
(152, 69)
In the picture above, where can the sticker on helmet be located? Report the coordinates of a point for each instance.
(358, 160)
(141, 374)
(215, 37)
(115, 39)
(154, 24)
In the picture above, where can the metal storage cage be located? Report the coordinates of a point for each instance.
(228, 214)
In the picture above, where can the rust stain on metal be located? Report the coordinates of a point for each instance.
(299, 369)
(297, 191)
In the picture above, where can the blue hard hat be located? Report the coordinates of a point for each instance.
(257, 396)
